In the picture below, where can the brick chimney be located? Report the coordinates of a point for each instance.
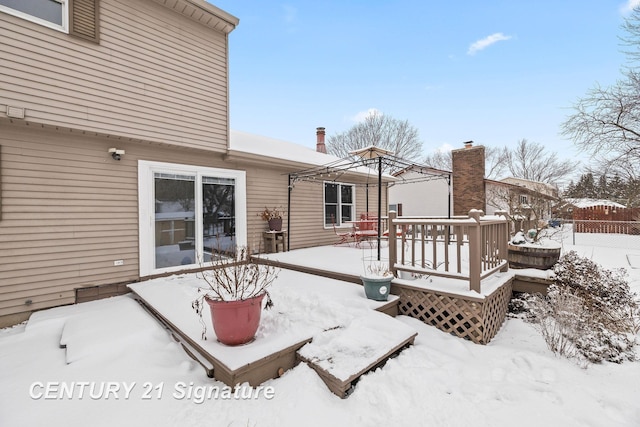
(320, 147)
(468, 179)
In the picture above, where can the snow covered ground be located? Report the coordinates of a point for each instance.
(123, 369)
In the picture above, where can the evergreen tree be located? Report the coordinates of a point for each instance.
(586, 186)
(570, 190)
(602, 189)
(617, 189)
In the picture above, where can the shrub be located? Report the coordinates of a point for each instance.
(589, 312)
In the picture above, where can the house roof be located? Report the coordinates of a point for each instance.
(589, 203)
(203, 12)
(289, 154)
(541, 188)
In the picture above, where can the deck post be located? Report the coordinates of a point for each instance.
(393, 242)
(503, 239)
(475, 250)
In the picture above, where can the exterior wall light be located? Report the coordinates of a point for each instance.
(116, 154)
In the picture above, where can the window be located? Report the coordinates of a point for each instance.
(50, 13)
(338, 203)
(524, 199)
(188, 215)
(79, 18)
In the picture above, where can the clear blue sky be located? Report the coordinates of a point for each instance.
(490, 71)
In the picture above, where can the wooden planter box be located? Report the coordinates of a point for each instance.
(539, 257)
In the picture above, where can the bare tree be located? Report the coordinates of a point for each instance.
(442, 160)
(494, 161)
(530, 160)
(606, 121)
(381, 131)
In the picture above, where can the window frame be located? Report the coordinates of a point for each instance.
(65, 16)
(339, 204)
(146, 209)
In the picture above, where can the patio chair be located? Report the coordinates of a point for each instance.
(345, 236)
(366, 229)
(368, 221)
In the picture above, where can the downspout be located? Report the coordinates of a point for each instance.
(228, 127)
(449, 201)
(379, 202)
(289, 214)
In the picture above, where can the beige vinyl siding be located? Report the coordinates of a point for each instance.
(69, 210)
(268, 187)
(308, 212)
(155, 76)
(68, 213)
(265, 187)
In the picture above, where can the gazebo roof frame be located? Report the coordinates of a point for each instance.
(368, 156)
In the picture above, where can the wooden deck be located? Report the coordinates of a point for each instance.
(390, 308)
(444, 302)
(523, 282)
(340, 372)
(223, 362)
(254, 373)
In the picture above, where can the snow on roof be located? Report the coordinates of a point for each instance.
(271, 147)
(588, 203)
(243, 142)
(527, 183)
(537, 186)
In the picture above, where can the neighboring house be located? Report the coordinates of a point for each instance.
(521, 195)
(528, 203)
(115, 155)
(421, 191)
(425, 191)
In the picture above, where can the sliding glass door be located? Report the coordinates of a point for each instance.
(218, 216)
(175, 205)
(188, 215)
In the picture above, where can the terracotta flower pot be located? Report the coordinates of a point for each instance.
(377, 288)
(236, 322)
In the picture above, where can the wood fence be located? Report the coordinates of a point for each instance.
(607, 219)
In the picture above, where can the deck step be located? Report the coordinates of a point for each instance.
(84, 334)
(340, 356)
(192, 351)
